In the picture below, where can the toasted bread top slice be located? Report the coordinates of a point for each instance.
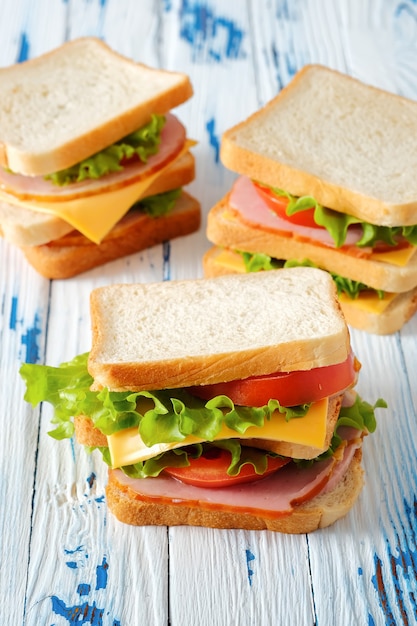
(182, 333)
(349, 145)
(61, 107)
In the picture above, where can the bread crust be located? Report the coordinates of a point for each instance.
(235, 234)
(74, 254)
(321, 511)
(33, 82)
(87, 434)
(344, 111)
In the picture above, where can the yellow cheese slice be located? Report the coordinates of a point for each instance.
(368, 301)
(395, 257)
(95, 216)
(126, 447)
(232, 260)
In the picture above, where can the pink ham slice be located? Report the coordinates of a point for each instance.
(253, 209)
(353, 439)
(274, 496)
(173, 137)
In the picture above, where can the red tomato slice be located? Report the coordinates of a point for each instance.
(210, 470)
(289, 388)
(279, 205)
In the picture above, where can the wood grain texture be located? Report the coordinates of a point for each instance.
(64, 558)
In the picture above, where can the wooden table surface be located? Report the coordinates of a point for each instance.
(64, 558)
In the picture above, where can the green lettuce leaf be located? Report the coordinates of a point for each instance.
(337, 224)
(66, 388)
(361, 416)
(143, 143)
(352, 288)
(240, 456)
(260, 262)
(159, 204)
(170, 415)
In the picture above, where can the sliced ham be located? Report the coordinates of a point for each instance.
(252, 209)
(353, 438)
(173, 137)
(273, 496)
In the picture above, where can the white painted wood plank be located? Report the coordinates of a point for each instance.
(71, 483)
(239, 578)
(23, 314)
(90, 562)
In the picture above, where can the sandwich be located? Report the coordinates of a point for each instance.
(227, 402)
(92, 161)
(326, 178)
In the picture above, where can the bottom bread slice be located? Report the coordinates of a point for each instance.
(393, 318)
(73, 254)
(323, 510)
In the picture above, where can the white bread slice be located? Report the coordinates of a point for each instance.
(79, 98)
(182, 333)
(27, 227)
(73, 253)
(349, 145)
(235, 234)
(321, 511)
(393, 318)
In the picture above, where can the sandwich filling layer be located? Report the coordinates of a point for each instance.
(94, 208)
(274, 496)
(174, 430)
(271, 209)
(251, 236)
